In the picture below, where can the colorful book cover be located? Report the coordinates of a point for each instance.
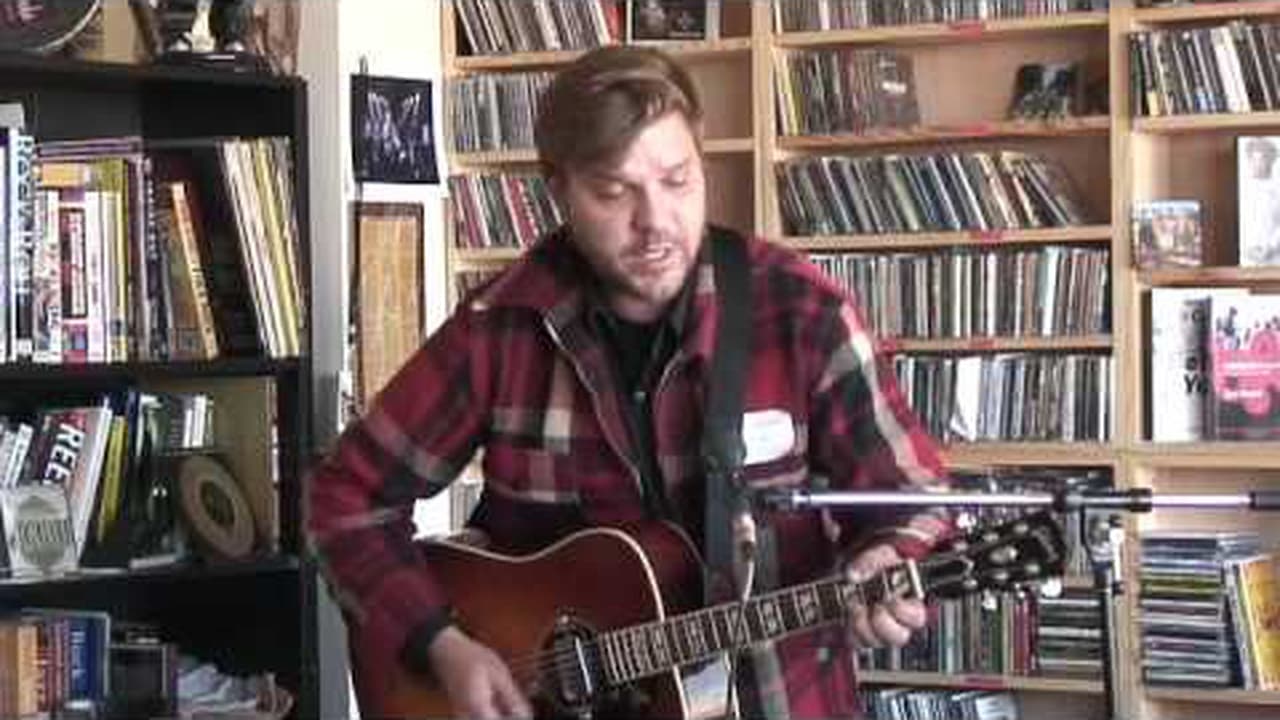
(1245, 365)
(37, 527)
(1167, 233)
(1255, 602)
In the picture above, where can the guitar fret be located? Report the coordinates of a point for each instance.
(771, 617)
(658, 642)
(627, 656)
(611, 673)
(807, 605)
(791, 611)
(697, 635)
(835, 599)
(717, 638)
(634, 655)
(643, 652)
(673, 642)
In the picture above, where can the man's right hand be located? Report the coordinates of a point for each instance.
(477, 681)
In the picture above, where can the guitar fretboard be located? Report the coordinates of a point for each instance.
(643, 650)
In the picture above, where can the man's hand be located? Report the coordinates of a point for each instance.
(478, 683)
(888, 623)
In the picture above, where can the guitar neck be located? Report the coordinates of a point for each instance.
(639, 651)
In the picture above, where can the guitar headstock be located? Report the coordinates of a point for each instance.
(1003, 557)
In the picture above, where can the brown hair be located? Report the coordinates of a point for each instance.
(596, 106)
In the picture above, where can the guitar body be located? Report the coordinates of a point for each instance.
(592, 581)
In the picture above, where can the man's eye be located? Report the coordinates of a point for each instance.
(610, 190)
(678, 180)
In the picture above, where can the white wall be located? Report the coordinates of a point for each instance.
(399, 38)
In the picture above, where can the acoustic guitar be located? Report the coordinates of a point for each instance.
(607, 623)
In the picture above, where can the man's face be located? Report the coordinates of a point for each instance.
(1260, 162)
(639, 218)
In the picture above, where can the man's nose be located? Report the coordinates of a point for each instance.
(650, 209)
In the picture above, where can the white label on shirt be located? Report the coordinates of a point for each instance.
(767, 435)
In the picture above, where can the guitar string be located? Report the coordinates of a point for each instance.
(557, 661)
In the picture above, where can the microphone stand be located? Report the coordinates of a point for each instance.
(1104, 538)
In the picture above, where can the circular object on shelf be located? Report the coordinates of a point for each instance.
(214, 507)
(42, 25)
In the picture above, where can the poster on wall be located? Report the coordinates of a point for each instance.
(392, 137)
(387, 305)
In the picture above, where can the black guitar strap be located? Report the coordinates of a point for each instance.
(723, 451)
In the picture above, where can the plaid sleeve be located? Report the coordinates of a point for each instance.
(865, 437)
(415, 439)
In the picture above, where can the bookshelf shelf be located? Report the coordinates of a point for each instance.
(1233, 696)
(484, 258)
(1094, 234)
(980, 682)
(996, 344)
(222, 367)
(72, 71)
(946, 33)
(1172, 124)
(494, 158)
(166, 573)
(1207, 455)
(988, 454)
(501, 158)
(1210, 275)
(1216, 11)
(691, 51)
(996, 130)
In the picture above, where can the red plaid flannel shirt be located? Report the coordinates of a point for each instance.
(517, 372)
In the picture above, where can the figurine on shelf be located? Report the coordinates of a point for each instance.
(206, 31)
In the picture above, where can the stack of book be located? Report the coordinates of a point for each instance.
(1069, 635)
(907, 703)
(1187, 634)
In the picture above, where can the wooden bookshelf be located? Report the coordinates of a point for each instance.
(499, 159)
(1092, 234)
(688, 51)
(1115, 159)
(978, 455)
(1211, 11)
(996, 130)
(981, 682)
(1221, 275)
(991, 30)
(1228, 696)
(1206, 455)
(1224, 122)
(997, 344)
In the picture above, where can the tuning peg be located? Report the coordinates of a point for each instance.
(1004, 555)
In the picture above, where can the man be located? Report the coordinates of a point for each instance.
(582, 373)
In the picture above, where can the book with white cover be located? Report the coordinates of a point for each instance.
(1180, 381)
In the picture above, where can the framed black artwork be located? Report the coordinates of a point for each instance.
(391, 130)
(672, 20)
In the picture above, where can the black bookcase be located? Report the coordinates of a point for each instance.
(247, 617)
